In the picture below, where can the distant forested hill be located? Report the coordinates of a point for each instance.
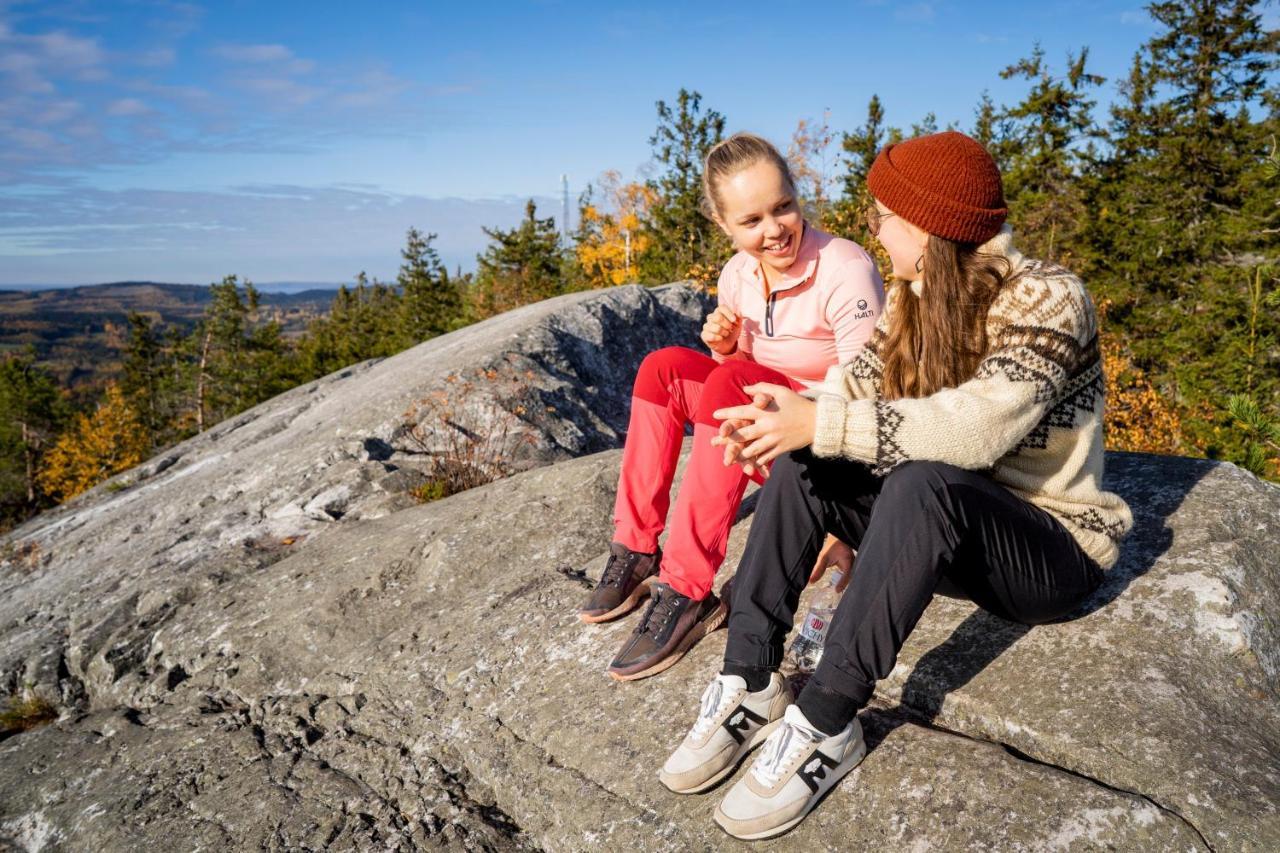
(80, 332)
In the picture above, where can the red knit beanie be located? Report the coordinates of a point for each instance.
(945, 183)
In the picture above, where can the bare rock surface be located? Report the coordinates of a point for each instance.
(260, 642)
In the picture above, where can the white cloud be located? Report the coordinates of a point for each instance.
(269, 233)
(127, 107)
(67, 51)
(277, 55)
(57, 112)
(918, 13)
(156, 58)
(253, 52)
(267, 99)
(281, 91)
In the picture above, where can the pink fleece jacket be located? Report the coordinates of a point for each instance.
(821, 313)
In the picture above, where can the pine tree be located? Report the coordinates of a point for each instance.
(1187, 208)
(239, 359)
(1040, 147)
(362, 323)
(32, 411)
(151, 384)
(430, 303)
(860, 148)
(686, 244)
(521, 265)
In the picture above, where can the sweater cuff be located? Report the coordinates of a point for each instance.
(845, 428)
(828, 428)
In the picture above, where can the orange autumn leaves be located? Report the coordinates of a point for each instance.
(97, 445)
(613, 237)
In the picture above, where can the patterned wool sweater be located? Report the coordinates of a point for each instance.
(1031, 414)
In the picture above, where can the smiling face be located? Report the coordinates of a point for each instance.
(904, 242)
(758, 209)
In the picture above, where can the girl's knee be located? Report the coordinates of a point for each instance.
(724, 389)
(917, 476)
(660, 368)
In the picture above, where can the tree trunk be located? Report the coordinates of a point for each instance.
(200, 378)
(29, 453)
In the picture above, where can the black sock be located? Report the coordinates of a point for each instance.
(828, 711)
(757, 677)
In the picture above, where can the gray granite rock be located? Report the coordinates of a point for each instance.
(234, 673)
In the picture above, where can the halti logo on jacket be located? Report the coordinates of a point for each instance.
(863, 311)
(862, 305)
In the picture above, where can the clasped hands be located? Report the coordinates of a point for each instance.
(776, 421)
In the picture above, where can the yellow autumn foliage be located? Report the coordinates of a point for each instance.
(606, 257)
(94, 448)
(1137, 417)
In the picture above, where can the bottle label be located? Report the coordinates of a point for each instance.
(814, 628)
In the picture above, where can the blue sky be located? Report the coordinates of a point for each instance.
(290, 141)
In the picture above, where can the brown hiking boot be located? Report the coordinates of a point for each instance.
(671, 625)
(624, 581)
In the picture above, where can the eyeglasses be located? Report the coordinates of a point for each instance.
(874, 217)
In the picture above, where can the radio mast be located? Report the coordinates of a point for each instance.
(564, 214)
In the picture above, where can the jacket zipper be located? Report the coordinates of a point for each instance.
(768, 314)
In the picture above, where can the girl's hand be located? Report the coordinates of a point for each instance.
(833, 553)
(733, 449)
(720, 332)
(786, 423)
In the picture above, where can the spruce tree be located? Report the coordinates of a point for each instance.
(32, 411)
(430, 303)
(239, 360)
(1041, 147)
(521, 265)
(860, 147)
(684, 242)
(147, 385)
(1186, 209)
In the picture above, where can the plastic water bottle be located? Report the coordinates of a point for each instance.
(806, 648)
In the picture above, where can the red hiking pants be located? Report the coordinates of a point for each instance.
(673, 387)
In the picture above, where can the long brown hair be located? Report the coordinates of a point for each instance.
(936, 340)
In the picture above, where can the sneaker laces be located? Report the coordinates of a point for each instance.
(619, 568)
(782, 747)
(659, 613)
(712, 702)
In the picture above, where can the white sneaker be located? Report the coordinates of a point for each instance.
(797, 766)
(730, 724)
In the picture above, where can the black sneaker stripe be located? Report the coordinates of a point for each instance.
(820, 772)
(749, 720)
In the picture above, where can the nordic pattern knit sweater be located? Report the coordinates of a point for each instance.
(1031, 414)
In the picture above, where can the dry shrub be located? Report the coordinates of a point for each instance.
(24, 556)
(26, 712)
(1137, 416)
(469, 431)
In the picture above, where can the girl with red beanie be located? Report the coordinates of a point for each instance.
(962, 448)
(793, 302)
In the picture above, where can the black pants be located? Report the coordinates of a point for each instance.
(924, 524)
